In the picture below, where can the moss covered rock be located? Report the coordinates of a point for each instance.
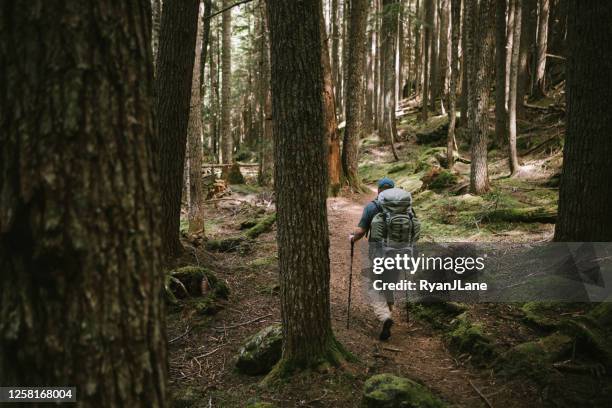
(261, 351)
(468, 337)
(195, 287)
(233, 174)
(390, 391)
(534, 359)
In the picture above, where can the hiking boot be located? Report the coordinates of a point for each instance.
(386, 330)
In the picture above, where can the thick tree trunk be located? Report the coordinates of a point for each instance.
(539, 89)
(480, 45)
(452, 96)
(528, 33)
(331, 125)
(354, 102)
(429, 17)
(500, 71)
(173, 94)
(300, 154)
(226, 86)
(514, 66)
(194, 137)
(585, 212)
(79, 221)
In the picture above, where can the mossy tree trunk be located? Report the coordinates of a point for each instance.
(354, 103)
(174, 71)
(226, 85)
(585, 212)
(300, 154)
(80, 247)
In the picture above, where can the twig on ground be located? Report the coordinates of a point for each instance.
(222, 328)
(484, 398)
(180, 336)
(393, 349)
(209, 353)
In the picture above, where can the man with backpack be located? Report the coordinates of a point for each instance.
(392, 227)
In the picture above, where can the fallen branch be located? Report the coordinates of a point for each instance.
(228, 8)
(180, 336)
(233, 326)
(484, 398)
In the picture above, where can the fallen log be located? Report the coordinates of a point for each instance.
(526, 215)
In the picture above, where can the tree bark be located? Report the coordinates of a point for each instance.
(300, 156)
(79, 221)
(514, 66)
(539, 90)
(429, 17)
(445, 53)
(389, 32)
(585, 213)
(500, 71)
(266, 157)
(434, 74)
(465, 67)
(354, 102)
(156, 6)
(194, 137)
(331, 125)
(480, 45)
(452, 96)
(335, 50)
(226, 86)
(173, 94)
(528, 33)
(214, 92)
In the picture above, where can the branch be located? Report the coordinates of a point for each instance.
(227, 8)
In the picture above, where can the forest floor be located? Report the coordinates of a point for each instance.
(203, 348)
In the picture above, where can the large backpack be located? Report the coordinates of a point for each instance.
(396, 225)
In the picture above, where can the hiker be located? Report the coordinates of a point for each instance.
(391, 225)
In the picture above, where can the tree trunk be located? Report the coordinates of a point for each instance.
(500, 71)
(452, 95)
(445, 52)
(368, 122)
(429, 17)
(331, 125)
(354, 103)
(417, 48)
(194, 137)
(226, 86)
(79, 220)
(434, 74)
(335, 49)
(528, 33)
(514, 65)
(173, 93)
(465, 67)
(389, 32)
(481, 12)
(585, 213)
(300, 156)
(266, 156)
(214, 93)
(509, 48)
(156, 6)
(539, 90)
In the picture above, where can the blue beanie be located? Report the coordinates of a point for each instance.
(385, 182)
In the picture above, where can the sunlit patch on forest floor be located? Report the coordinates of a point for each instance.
(516, 355)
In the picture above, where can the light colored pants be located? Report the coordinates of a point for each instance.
(382, 301)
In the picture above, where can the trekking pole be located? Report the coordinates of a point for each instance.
(348, 309)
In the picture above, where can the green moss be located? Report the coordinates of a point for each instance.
(186, 397)
(542, 314)
(534, 359)
(233, 174)
(443, 180)
(389, 391)
(264, 262)
(261, 404)
(230, 244)
(397, 168)
(436, 314)
(261, 351)
(262, 226)
(592, 338)
(185, 283)
(467, 337)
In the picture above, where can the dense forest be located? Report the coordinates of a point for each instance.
(179, 180)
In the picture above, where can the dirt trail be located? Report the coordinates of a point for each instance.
(413, 350)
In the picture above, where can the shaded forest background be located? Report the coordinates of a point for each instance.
(152, 151)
